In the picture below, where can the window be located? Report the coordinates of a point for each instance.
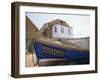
(62, 30)
(55, 29)
(69, 32)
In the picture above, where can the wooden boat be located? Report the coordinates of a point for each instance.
(54, 49)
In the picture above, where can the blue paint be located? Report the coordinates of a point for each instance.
(68, 53)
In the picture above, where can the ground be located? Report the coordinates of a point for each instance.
(30, 60)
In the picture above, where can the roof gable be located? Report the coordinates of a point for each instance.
(56, 21)
(60, 22)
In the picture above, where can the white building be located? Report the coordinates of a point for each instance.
(57, 29)
(60, 31)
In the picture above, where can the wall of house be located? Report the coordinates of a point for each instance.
(61, 31)
(48, 32)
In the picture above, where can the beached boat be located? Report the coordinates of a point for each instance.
(53, 49)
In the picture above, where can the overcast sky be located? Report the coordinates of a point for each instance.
(79, 23)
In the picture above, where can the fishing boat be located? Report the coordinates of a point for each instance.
(50, 49)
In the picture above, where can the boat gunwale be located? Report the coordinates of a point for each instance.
(63, 46)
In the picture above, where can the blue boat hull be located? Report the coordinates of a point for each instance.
(44, 51)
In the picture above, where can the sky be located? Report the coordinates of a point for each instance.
(79, 23)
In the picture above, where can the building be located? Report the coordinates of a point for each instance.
(31, 30)
(57, 29)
